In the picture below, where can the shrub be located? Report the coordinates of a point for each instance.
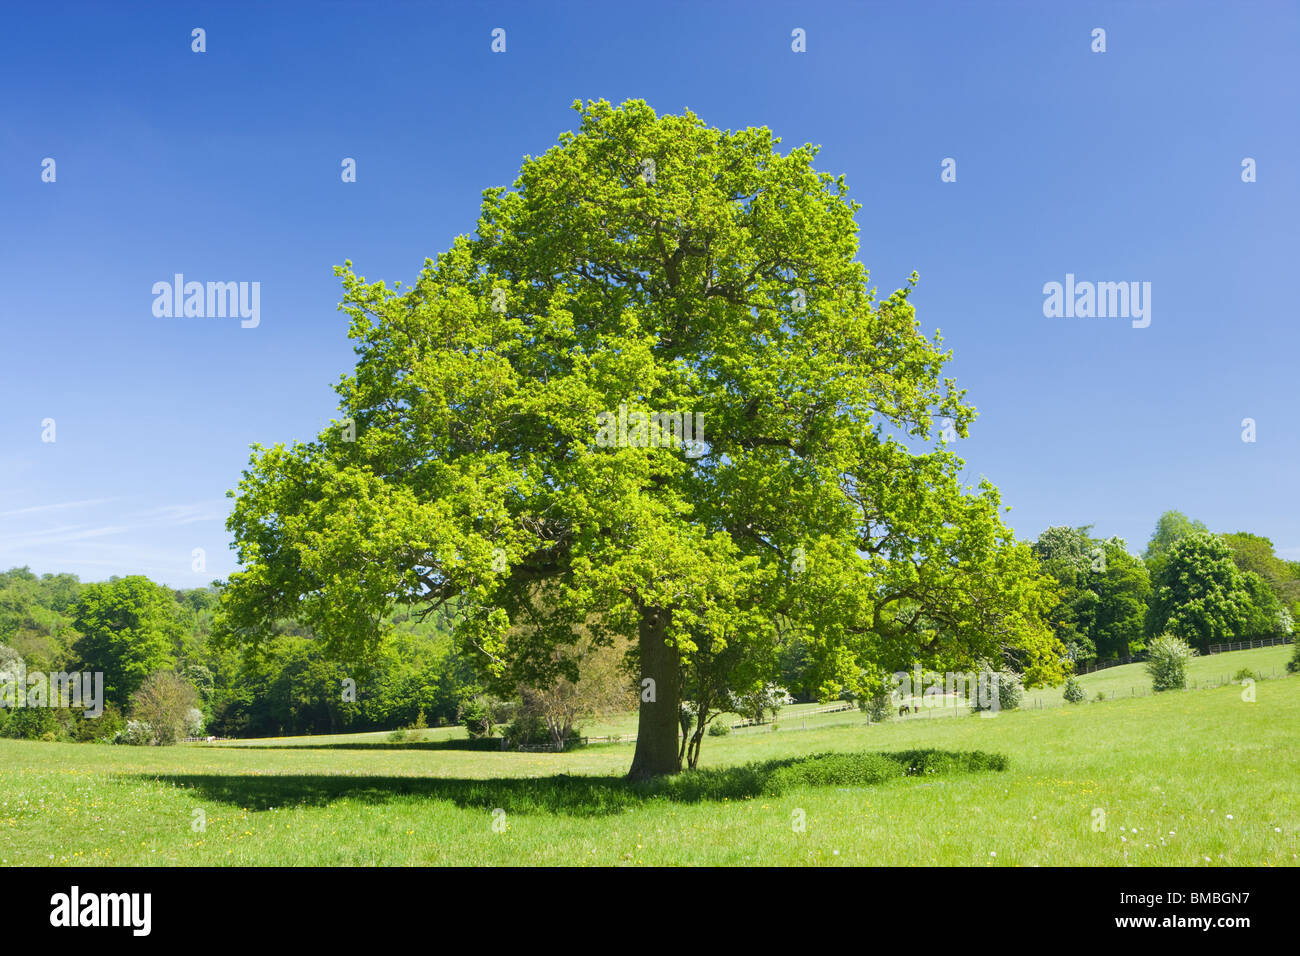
(821, 770)
(861, 769)
(526, 730)
(758, 702)
(32, 723)
(397, 736)
(1167, 658)
(1293, 665)
(1073, 693)
(102, 729)
(719, 729)
(1101, 695)
(482, 714)
(924, 763)
(1011, 691)
(164, 702)
(879, 706)
(1246, 674)
(137, 733)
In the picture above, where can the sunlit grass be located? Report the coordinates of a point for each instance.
(1183, 779)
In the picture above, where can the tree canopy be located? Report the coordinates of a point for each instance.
(128, 627)
(646, 269)
(1200, 594)
(1104, 593)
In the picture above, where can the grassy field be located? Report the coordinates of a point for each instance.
(1190, 778)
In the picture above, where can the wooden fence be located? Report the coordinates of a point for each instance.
(1214, 649)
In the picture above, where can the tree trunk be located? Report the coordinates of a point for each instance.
(658, 722)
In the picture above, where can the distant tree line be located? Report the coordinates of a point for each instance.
(166, 676)
(1189, 583)
(153, 645)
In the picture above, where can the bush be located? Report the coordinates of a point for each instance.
(862, 769)
(102, 729)
(475, 714)
(1101, 695)
(758, 702)
(136, 734)
(164, 702)
(1293, 665)
(1073, 692)
(821, 770)
(32, 723)
(719, 729)
(1011, 691)
(1246, 674)
(482, 714)
(1167, 658)
(526, 730)
(397, 736)
(879, 706)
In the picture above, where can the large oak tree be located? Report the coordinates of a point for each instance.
(655, 263)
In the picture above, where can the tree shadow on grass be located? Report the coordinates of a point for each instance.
(457, 743)
(582, 795)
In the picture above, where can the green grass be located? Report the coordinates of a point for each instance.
(1181, 777)
(1128, 680)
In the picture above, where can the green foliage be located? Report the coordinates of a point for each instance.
(1246, 673)
(878, 705)
(1010, 691)
(165, 703)
(756, 703)
(1254, 553)
(776, 777)
(481, 714)
(1293, 665)
(1200, 594)
(1104, 592)
(726, 286)
(136, 733)
(1167, 658)
(719, 728)
(31, 723)
(35, 616)
(129, 628)
(843, 770)
(1073, 692)
(1171, 527)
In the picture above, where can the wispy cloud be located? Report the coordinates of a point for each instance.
(62, 506)
(59, 535)
(209, 510)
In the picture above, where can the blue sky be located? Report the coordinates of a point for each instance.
(225, 166)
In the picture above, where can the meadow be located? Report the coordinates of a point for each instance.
(1185, 778)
